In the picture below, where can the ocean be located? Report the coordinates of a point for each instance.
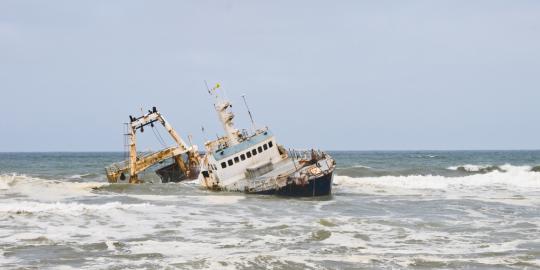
(389, 210)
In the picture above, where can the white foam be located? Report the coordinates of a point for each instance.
(513, 176)
(199, 233)
(162, 198)
(110, 245)
(82, 223)
(516, 185)
(469, 167)
(63, 208)
(79, 176)
(203, 199)
(215, 199)
(362, 166)
(424, 156)
(42, 189)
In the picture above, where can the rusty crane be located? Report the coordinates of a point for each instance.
(181, 168)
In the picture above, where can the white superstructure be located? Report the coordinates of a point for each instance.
(237, 155)
(238, 161)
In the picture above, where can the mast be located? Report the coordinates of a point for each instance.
(132, 156)
(226, 117)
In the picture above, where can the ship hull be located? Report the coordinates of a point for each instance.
(172, 173)
(316, 187)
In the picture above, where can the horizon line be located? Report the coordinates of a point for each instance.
(327, 150)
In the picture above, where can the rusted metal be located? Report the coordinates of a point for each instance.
(237, 161)
(138, 163)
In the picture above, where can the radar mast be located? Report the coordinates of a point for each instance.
(226, 116)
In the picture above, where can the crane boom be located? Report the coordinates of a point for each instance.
(137, 163)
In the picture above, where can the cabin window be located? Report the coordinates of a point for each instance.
(248, 154)
(270, 144)
(260, 149)
(243, 157)
(236, 160)
(223, 165)
(265, 146)
(230, 162)
(254, 152)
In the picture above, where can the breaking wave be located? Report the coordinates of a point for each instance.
(26, 207)
(478, 168)
(424, 156)
(452, 171)
(507, 176)
(39, 188)
(362, 166)
(84, 176)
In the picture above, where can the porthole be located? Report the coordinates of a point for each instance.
(248, 154)
(223, 165)
(236, 160)
(265, 146)
(254, 152)
(270, 144)
(243, 157)
(230, 162)
(260, 149)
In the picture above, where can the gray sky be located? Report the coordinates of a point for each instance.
(343, 75)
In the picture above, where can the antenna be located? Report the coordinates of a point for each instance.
(190, 138)
(249, 112)
(207, 88)
(204, 134)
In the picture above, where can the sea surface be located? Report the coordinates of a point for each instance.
(389, 210)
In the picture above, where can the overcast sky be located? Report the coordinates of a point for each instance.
(341, 75)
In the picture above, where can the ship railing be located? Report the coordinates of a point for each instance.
(117, 167)
(302, 154)
(124, 165)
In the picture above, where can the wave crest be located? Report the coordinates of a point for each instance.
(469, 168)
(45, 189)
(26, 207)
(512, 177)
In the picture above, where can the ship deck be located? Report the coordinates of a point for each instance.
(283, 167)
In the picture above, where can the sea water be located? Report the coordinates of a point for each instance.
(389, 210)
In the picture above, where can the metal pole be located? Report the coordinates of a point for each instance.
(249, 112)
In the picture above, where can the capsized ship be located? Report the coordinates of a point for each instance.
(256, 163)
(239, 161)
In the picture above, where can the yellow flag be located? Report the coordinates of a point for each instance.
(216, 87)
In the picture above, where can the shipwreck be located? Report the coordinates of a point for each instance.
(238, 161)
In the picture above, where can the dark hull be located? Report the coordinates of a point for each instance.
(321, 186)
(172, 173)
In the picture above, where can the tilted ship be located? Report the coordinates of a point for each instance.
(239, 161)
